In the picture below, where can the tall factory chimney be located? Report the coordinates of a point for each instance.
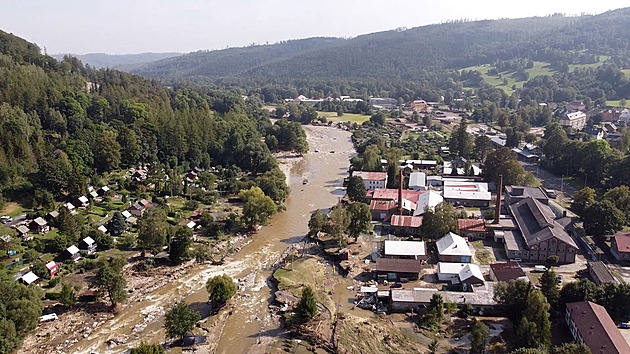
(497, 210)
(400, 194)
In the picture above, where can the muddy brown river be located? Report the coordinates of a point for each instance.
(251, 321)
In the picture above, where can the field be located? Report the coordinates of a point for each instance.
(540, 68)
(347, 117)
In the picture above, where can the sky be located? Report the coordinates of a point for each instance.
(137, 26)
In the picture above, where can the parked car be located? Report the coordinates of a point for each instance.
(551, 193)
(397, 285)
(5, 219)
(540, 268)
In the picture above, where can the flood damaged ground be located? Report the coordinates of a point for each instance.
(248, 325)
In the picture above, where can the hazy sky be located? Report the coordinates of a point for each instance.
(135, 26)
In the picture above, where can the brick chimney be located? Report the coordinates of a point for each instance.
(400, 189)
(497, 210)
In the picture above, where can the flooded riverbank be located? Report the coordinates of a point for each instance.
(250, 322)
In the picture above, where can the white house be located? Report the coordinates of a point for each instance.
(372, 180)
(29, 278)
(418, 181)
(575, 120)
(460, 273)
(453, 248)
(428, 199)
(405, 249)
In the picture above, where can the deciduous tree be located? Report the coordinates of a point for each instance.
(479, 337)
(221, 288)
(356, 189)
(180, 320)
(152, 230)
(360, 219)
(109, 280)
(439, 221)
(258, 207)
(180, 245)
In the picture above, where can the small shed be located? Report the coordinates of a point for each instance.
(29, 278)
(88, 245)
(83, 201)
(73, 253)
(52, 215)
(52, 267)
(191, 225)
(126, 214)
(23, 231)
(102, 229)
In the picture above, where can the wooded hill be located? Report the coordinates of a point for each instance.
(414, 53)
(102, 60)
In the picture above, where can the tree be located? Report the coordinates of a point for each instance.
(513, 296)
(145, 348)
(68, 295)
(317, 222)
(535, 328)
(549, 287)
(180, 245)
(480, 334)
(582, 290)
(583, 199)
(339, 222)
(109, 279)
(258, 207)
(439, 221)
(356, 189)
(360, 219)
(483, 146)
(603, 218)
(436, 306)
(503, 162)
(220, 288)
(307, 307)
(461, 143)
(152, 230)
(39, 268)
(202, 254)
(117, 225)
(67, 225)
(378, 118)
(180, 320)
(571, 348)
(620, 196)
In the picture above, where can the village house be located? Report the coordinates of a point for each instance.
(472, 228)
(590, 324)
(453, 248)
(126, 214)
(420, 164)
(419, 105)
(87, 245)
(52, 267)
(39, 225)
(83, 201)
(71, 208)
(372, 180)
(575, 120)
(460, 273)
(575, 106)
(51, 216)
(73, 253)
(620, 246)
(393, 269)
(103, 190)
(404, 300)
(191, 225)
(29, 278)
(406, 225)
(405, 250)
(102, 229)
(139, 176)
(23, 232)
(599, 273)
(507, 271)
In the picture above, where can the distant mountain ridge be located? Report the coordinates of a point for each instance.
(407, 54)
(104, 60)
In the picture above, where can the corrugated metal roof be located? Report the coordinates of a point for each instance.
(405, 248)
(398, 265)
(406, 221)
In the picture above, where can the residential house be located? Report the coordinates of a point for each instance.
(599, 273)
(620, 246)
(88, 245)
(405, 249)
(145, 203)
(83, 201)
(473, 194)
(52, 215)
(421, 164)
(29, 278)
(472, 228)
(575, 106)
(575, 120)
(126, 214)
(406, 225)
(460, 273)
(23, 232)
(453, 248)
(73, 253)
(39, 225)
(372, 180)
(103, 190)
(419, 105)
(590, 324)
(5, 239)
(71, 208)
(139, 175)
(191, 225)
(383, 210)
(136, 210)
(507, 271)
(392, 269)
(191, 176)
(418, 181)
(52, 267)
(541, 236)
(481, 300)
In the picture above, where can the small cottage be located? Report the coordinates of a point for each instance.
(52, 267)
(73, 253)
(87, 245)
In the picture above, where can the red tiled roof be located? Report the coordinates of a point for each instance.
(597, 329)
(392, 194)
(622, 239)
(382, 205)
(471, 225)
(406, 221)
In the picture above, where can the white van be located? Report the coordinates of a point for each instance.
(540, 269)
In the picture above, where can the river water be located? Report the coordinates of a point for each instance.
(251, 320)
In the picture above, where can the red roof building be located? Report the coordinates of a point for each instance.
(52, 268)
(392, 194)
(406, 225)
(472, 228)
(590, 324)
(620, 246)
(506, 271)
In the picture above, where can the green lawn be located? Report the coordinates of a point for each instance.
(347, 117)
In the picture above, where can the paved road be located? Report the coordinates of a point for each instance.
(16, 220)
(551, 181)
